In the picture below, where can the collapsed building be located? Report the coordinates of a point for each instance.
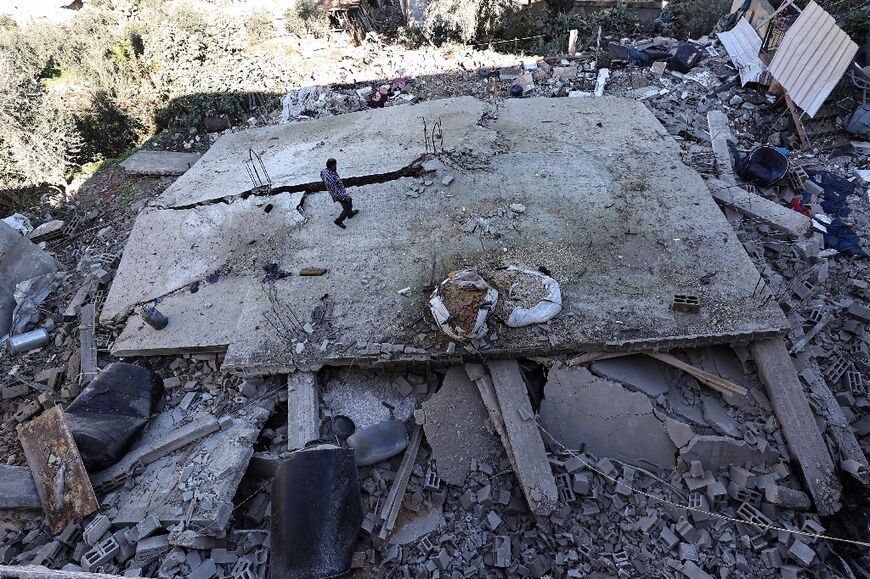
(550, 344)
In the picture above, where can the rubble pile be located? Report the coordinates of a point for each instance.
(739, 460)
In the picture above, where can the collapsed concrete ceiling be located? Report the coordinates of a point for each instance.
(592, 190)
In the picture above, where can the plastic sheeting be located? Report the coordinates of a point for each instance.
(19, 223)
(297, 102)
(545, 310)
(108, 415)
(469, 280)
(28, 295)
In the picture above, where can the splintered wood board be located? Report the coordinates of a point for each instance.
(61, 480)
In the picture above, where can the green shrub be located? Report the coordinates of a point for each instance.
(259, 26)
(857, 25)
(695, 18)
(307, 17)
(465, 20)
(38, 139)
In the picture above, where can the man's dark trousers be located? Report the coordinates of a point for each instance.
(346, 210)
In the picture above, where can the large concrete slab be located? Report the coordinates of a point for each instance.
(366, 143)
(159, 163)
(610, 210)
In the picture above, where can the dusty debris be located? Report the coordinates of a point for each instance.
(458, 429)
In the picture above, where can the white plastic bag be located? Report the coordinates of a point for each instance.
(468, 280)
(546, 309)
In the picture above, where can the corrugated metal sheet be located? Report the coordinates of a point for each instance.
(743, 45)
(812, 58)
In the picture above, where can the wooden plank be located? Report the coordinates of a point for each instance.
(720, 134)
(715, 382)
(798, 424)
(403, 475)
(572, 42)
(756, 207)
(478, 374)
(838, 426)
(532, 465)
(61, 480)
(303, 409)
(801, 344)
(799, 125)
(88, 339)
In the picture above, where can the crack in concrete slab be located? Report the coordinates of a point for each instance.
(413, 170)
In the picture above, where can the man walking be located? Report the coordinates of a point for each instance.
(339, 195)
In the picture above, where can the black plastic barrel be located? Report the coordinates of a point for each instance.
(316, 514)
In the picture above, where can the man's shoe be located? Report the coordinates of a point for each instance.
(340, 224)
(353, 214)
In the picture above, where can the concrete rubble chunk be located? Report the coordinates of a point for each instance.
(579, 409)
(640, 372)
(303, 409)
(212, 474)
(458, 428)
(17, 489)
(526, 446)
(159, 163)
(716, 452)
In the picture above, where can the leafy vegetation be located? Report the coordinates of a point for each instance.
(77, 94)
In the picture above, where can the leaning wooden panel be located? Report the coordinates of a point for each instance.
(61, 480)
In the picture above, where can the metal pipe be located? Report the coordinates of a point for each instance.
(28, 341)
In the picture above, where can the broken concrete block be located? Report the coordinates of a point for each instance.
(787, 497)
(95, 530)
(615, 421)
(142, 529)
(206, 570)
(17, 489)
(692, 571)
(669, 537)
(721, 451)
(641, 372)
(101, 554)
(802, 553)
(159, 163)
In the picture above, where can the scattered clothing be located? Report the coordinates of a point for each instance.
(836, 204)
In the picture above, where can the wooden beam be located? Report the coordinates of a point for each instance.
(798, 424)
(531, 463)
(303, 409)
(88, 339)
(798, 124)
(754, 206)
(397, 491)
(715, 382)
